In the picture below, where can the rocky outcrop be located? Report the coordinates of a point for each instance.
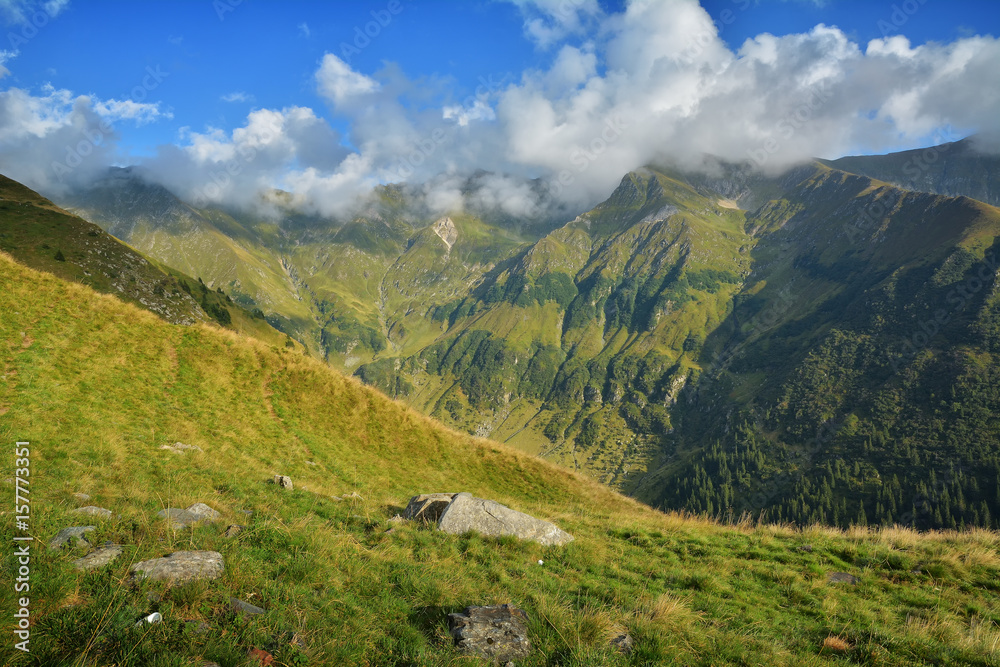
(427, 506)
(498, 632)
(488, 517)
(181, 567)
(446, 231)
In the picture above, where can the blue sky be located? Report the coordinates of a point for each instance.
(188, 80)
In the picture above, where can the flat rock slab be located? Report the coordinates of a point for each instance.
(204, 511)
(427, 506)
(182, 518)
(91, 510)
(99, 558)
(178, 518)
(181, 567)
(72, 536)
(842, 578)
(245, 607)
(498, 632)
(488, 517)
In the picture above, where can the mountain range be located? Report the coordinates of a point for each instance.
(816, 345)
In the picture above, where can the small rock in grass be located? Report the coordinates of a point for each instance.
(283, 481)
(498, 632)
(806, 547)
(204, 511)
(91, 510)
(178, 518)
(181, 567)
(623, 643)
(233, 531)
(82, 497)
(99, 558)
(73, 536)
(842, 578)
(245, 607)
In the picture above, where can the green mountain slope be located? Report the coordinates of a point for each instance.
(955, 168)
(98, 386)
(43, 236)
(854, 380)
(685, 340)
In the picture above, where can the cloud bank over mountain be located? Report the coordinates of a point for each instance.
(653, 83)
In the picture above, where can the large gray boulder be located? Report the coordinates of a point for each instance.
(427, 506)
(181, 567)
(497, 632)
(488, 517)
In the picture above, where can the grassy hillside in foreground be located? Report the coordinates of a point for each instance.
(98, 386)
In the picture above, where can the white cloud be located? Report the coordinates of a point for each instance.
(651, 83)
(25, 11)
(54, 140)
(341, 84)
(547, 22)
(479, 110)
(237, 96)
(140, 112)
(274, 148)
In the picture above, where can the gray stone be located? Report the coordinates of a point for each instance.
(623, 643)
(427, 506)
(204, 511)
(91, 510)
(242, 607)
(73, 536)
(842, 578)
(488, 517)
(99, 558)
(82, 497)
(178, 518)
(497, 632)
(181, 567)
(198, 628)
(806, 548)
(283, 481)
